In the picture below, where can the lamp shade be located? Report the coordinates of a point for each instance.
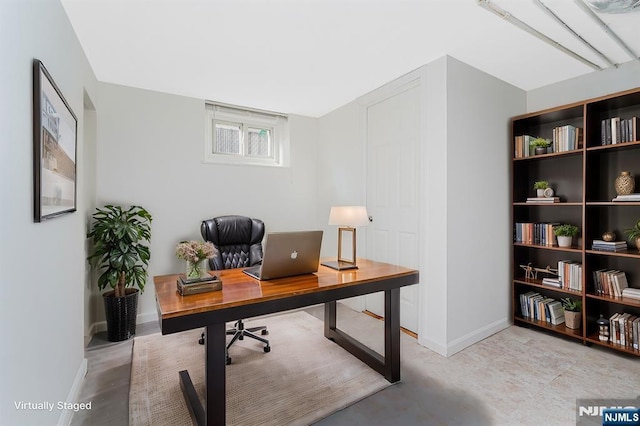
(351, 216)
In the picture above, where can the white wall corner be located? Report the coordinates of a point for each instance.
(433, 346)
(476, 336)
(74, 393)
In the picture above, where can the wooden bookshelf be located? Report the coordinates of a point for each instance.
(583, 178)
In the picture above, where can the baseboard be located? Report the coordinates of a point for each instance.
(477, 335)
(74, 393)
(466, 340)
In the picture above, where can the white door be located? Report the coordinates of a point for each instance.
(393, 137)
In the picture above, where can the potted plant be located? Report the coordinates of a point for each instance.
(119, 236)
(565, 234)
(540, 186)
(540, 145)
(572, 312)
(633, 234)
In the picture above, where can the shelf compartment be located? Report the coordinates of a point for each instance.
(561, 329)
(593, 338)
(562, 171)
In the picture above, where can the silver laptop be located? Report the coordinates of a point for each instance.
(287, 254)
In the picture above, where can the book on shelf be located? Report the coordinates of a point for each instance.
(535, 233)
(627, 197)
(570, 274)
(617, 130)
(631, 293)
(553, 282)
(567, 138)
(522, 146)
(611, 246)
(610, 282)
(624, 330)
(556, 312)
(543, 199)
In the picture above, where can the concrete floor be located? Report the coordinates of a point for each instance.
(516, 377)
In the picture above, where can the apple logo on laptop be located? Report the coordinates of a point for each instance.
(294, 255)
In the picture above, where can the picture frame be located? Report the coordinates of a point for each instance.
(55, 141)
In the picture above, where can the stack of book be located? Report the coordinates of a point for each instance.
(567, 138)
(616, 130)
(522, 146)
(632, 293)
(624, 330)
(543, 200)
(570, 274)
(610, 282)
(553, 282)
(535, 233)
(537, 307)
(627, 198)
(614, 246)
(198, 285)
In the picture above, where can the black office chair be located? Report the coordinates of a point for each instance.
(237, 242)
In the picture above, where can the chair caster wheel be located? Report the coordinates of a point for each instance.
(264, 332)
(228, 360)
(201, 341)
(267, 349)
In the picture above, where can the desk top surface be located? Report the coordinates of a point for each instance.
(239, 289)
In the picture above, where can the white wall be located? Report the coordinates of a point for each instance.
(592, 85)
(479, 235)
(341, 171)
(465, 138)
(42, 264)
(150, 153)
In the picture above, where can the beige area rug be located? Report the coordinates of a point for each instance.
(304, 378)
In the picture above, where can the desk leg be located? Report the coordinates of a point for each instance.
(213, 413)
(392, 335)
(389, 365)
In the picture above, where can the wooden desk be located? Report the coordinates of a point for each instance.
(244, 297)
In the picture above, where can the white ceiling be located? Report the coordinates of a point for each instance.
(309, 57)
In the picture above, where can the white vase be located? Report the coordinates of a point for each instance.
(564, 241)
(540, 192)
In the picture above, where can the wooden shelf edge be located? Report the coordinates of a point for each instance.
(572, 249)
(620, 145)
(619, 300)
(561, 329)
(626, 253)
(538, 283)
(594, 339)
(561, 203)
(612, 203)
(553, 154)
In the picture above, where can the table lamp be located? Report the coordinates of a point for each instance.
(347, 218)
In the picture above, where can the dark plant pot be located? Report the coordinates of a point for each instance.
(541, 150)
(121, 313)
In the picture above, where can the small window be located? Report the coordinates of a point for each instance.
(244, 136)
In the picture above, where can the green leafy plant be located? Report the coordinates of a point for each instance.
(565, 230)
(634, 232)
(541, 184)
(540, 143)
(119, 249)
(571, 305)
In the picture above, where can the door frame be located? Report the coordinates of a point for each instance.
(393, 88)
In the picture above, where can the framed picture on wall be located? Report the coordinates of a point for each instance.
(54, 148)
